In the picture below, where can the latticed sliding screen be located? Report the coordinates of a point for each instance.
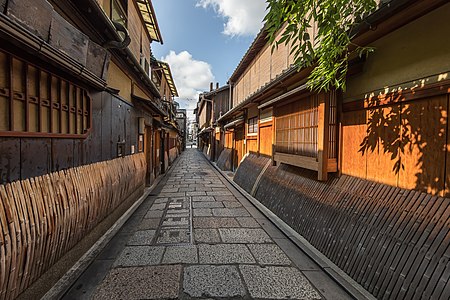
(34, 102)
(296, 127)
(332, 123)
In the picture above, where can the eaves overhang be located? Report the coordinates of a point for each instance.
(151, 24)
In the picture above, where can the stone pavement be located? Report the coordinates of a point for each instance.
(198, 237)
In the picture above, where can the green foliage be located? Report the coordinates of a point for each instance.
(328, 51)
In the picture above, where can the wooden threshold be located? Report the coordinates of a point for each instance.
(305, 162)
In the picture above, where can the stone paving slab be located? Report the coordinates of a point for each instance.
(269, 254)
(173, 236)
(213, 281)
(205, 222)
(277, 283)
(224, 254)
(139, 256)
(156, 282)
(180, 254)
(206, 236)
(203, 212)
(230, 212)
(205, 204)
(203, 198)
(244, 235)
(247, 222)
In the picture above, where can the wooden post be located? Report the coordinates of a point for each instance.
(323, 136)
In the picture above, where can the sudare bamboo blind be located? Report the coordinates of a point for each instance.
(296, 127)
(44, 217)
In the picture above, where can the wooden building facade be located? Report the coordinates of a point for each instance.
(364, 172)
(86, 114)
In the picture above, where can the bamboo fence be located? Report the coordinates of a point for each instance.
(42, 218)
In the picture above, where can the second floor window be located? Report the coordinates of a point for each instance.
(253, 125)
(119, 11)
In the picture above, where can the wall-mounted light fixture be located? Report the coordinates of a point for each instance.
(141, 125)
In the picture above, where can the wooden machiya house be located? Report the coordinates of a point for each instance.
(361, 174)
(87, 119)
(210, 107)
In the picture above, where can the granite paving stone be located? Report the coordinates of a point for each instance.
(230, 212)
(180, 254)
(206, 236)
(225, 198)
(213, 281)
(208, 222)
(269, 254)
(142, 237)
(203, 198)
(154, 282)
(224, 254)
(202, 212)
(244, 235)
(248, 222)
(176, 221)
(173, 236)
(196, 193)
(277, 283)
(177, 212)
(179, 194)
(219, 193)
(139, 256)
(232, 204)
(214, 204)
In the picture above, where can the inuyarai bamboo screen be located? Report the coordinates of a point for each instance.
(297, 127)
(34, 102)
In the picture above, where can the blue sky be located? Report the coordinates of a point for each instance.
(204, 40)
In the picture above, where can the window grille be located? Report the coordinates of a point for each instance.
(35, 102)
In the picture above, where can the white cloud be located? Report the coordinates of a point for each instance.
(243, 17)
(191, 77)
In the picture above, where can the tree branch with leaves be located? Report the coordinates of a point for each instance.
(329, 49)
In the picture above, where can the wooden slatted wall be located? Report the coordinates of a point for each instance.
(44, 217)
(394, 242)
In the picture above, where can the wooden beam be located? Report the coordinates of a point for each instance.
(305, 162)
(323, 136)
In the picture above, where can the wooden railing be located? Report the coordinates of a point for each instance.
(44, 217)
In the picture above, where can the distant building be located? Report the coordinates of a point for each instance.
(182, 124)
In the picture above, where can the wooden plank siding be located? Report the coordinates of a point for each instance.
(44, 217)
(403, 145)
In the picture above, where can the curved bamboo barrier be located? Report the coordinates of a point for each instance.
(42, 218)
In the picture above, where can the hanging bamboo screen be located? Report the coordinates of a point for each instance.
(34, 102)
(296, 127)
(44, 217)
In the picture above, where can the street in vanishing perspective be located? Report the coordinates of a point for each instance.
(198, 237)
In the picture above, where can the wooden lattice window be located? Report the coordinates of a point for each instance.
(296, 127)
(252, 125)
(35, 102)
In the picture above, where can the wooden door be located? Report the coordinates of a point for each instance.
(239, 146)
(265, 138)
(148, 151)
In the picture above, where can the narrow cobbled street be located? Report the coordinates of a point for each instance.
(197, 237)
